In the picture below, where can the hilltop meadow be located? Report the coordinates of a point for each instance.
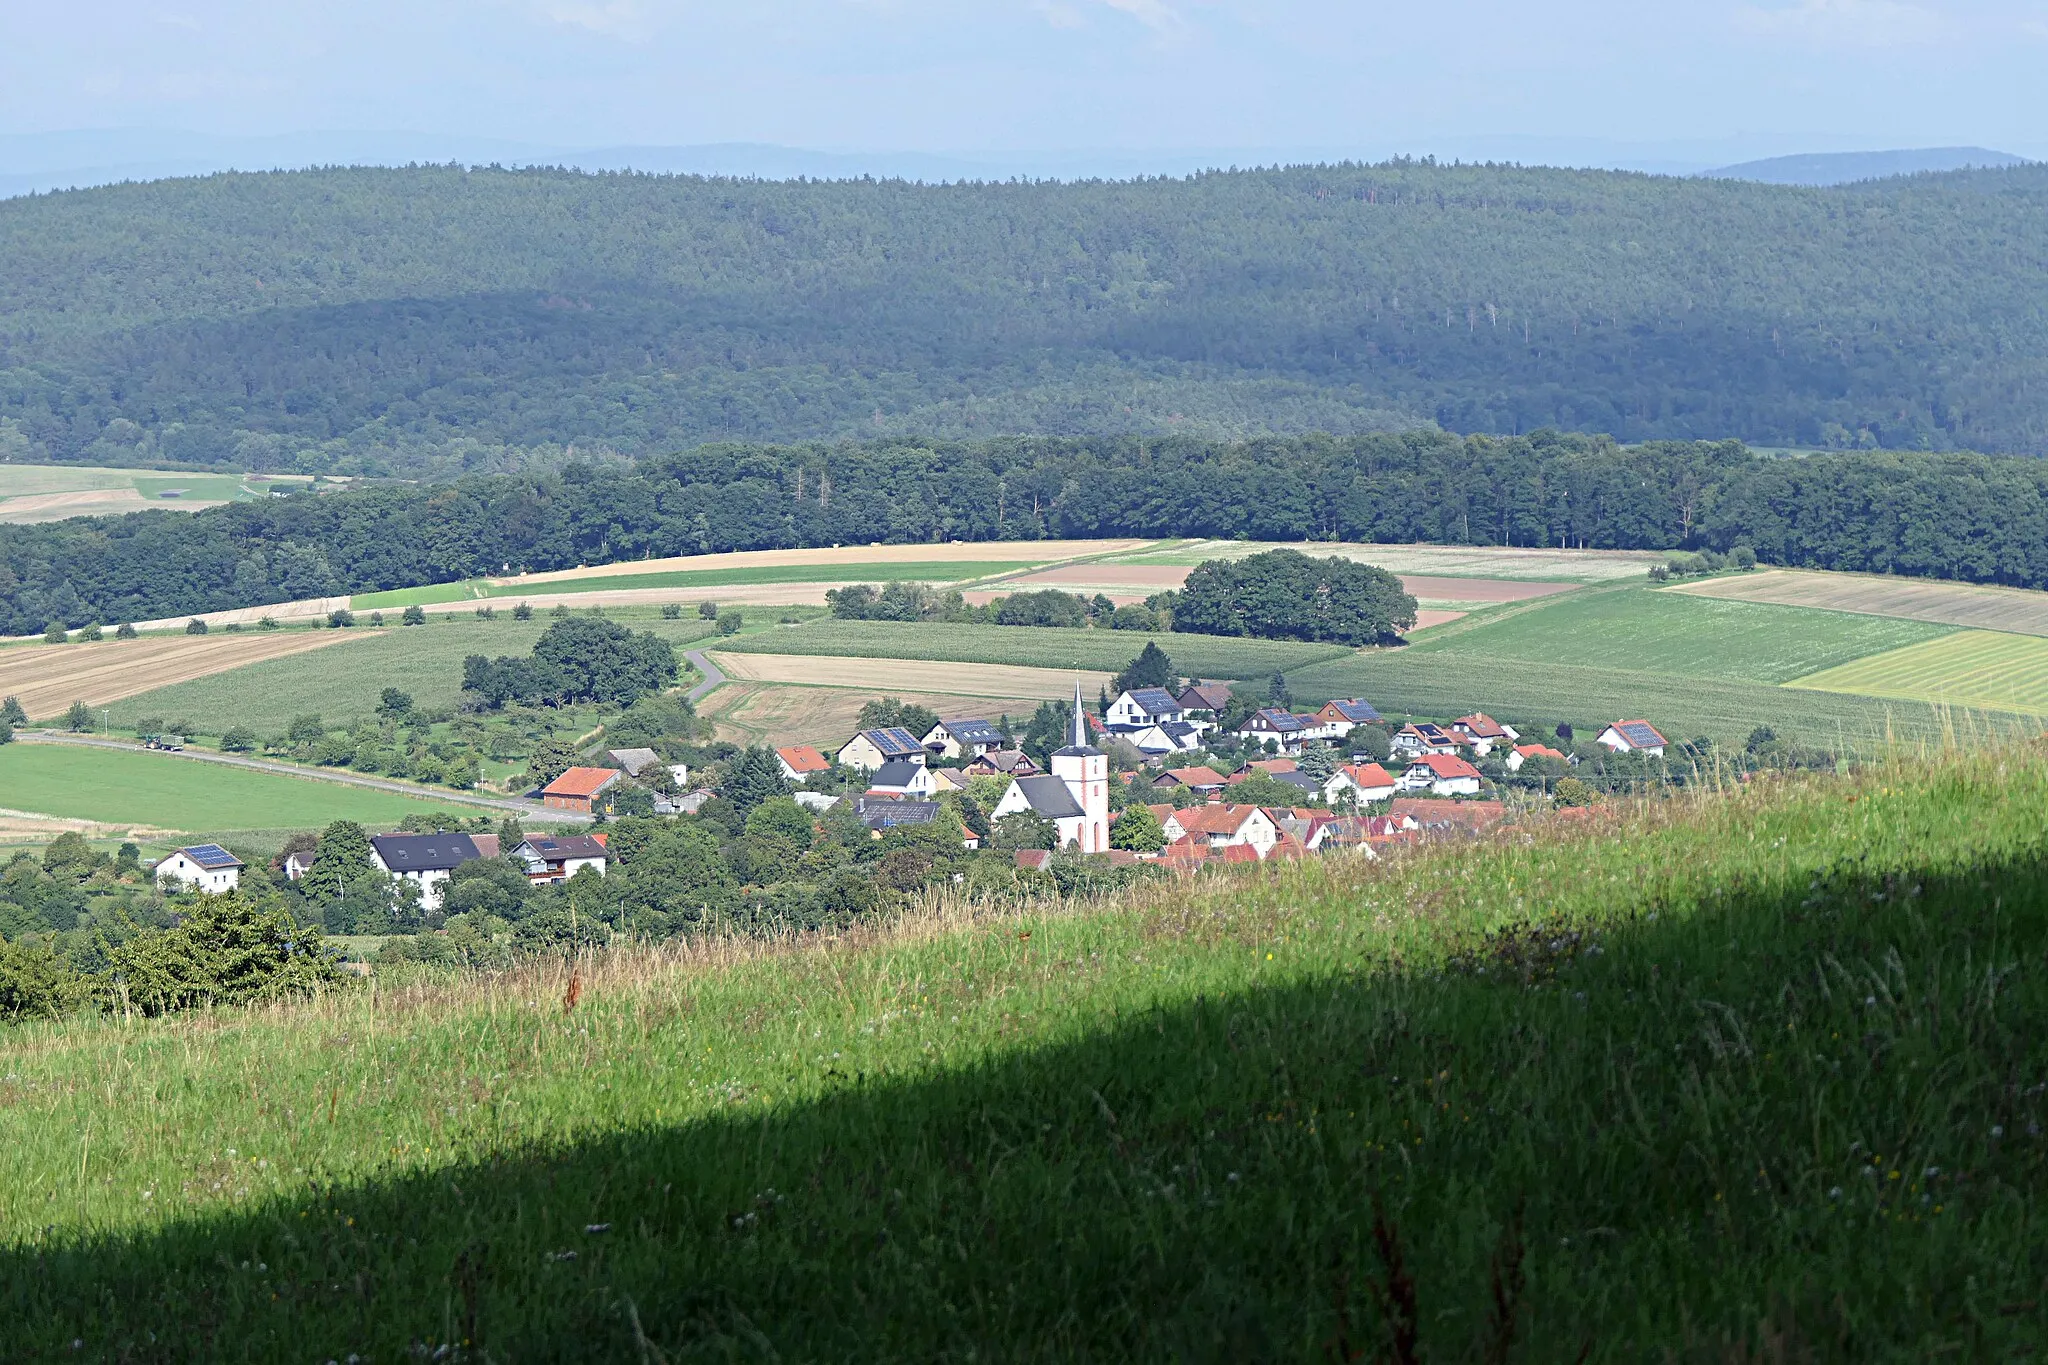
(1742, 1073)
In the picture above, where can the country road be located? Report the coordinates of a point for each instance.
(528, 809)
(713, 675)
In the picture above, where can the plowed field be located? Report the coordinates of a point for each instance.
(48, 678)
(2015, 610)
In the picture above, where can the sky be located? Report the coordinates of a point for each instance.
(1365, 77)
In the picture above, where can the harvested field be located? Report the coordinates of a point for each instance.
(779, 714)
(54, 492)
(1038, 648)
(1974, 668)
(1433, 616)
(1137, 581)
(2018, 611)
(101, 502)
(1447, 561)
(1030, 551)
(1147, 578)
(29, 827)
(896, 676)
(1431, 589)
(48, 678)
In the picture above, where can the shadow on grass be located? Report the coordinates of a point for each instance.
(1797, 1125)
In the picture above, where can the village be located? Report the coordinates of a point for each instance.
(1133, 783)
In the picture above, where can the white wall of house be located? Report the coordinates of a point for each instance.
(213, 881)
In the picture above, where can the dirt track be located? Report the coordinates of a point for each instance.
(48, 678)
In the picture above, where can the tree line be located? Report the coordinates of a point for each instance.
(433, 320)
(1972, 517)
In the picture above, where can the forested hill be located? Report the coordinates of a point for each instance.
(1972, 517)
(430, 320)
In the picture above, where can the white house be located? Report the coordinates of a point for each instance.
(202, 867)
(964, 739)
(1362, 782)
(1336, 719)
(903, 778)
(1167, 737)
(800, 762)
(1276, 729)
(1143, 706)
(870, 749)
(1223, 826)
(557, 860)
(1484, 733)
(425, 860)
(1523, 753)
(1633, 737)
(1424, 738)
(1441, 775)
(1074, 795)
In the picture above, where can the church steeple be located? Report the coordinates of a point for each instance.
(1077, 731)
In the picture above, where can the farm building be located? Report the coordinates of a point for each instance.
(202, 867)
(577, 788)
(638, 763)
(1523, 753)
(1201, 781)
(425, 860)
(1633, 737)
(870, 749)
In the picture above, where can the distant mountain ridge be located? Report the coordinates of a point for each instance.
(1842, 168)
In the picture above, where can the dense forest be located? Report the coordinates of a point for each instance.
(1974, 517)
(432, 321)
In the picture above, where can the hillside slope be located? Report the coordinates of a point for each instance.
(1749, 1076)
(436, 317)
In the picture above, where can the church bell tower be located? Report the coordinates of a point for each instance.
(1085, 770)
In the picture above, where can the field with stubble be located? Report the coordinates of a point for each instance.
(1735, 1076)
(48, 678)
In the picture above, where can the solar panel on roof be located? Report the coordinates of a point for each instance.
(211, 855)
(1641, 735)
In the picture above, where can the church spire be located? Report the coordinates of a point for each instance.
(1077, 733)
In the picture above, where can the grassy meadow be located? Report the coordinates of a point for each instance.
(343, 684)
(1966, 668)
(1207, 656)
(735, 576)
(135, 786)
(1643, 630)
(1755, 1075)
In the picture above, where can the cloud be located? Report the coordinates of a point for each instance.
(1154, 14)
(1845, 23)
(612, 18)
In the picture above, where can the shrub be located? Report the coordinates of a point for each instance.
(11, 712)
(6, 733)
(227, 950)
(124, 631)
(239, 739)
(522, 612)
(729, 624)
(55, 634)
(486, 613)
(195, 626)
(92, 634)
(1570, 791)
(341, 618)
(34, 982)
(268, 623)
(413, 616)
(671, 611)
(708, 610)
(78, 719)
(376, 619)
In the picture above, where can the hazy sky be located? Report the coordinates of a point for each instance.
(1005, 74)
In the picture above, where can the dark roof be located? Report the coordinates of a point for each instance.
(424, 852)
(634, 761)
(1640, 733)
(973, 731)
(1050, 797)
(1206, 697)
(1277, 720)
(1077, 751)
(1299, 779)
(895, 742)
(212, 857)
(1006, 760)
(1153, 700)
(1355, 710)
(883, 814)
(1178, 729)
(896, 773)
(554, 850)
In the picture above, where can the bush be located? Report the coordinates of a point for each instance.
(341, 618)
(239, 739)
(124, 631)
(1570, 791)
(729, 624)
(92, 634)
(6, 733)
(413, 616)
(376, 619)
(268, 623)
(522, 612)
(195, 626)
(34, 982)
(78, 720)
(55, 634)
(708, 610)
(227, 950)
(671, 611)
(486, 613)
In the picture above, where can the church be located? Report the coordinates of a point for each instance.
(1074, 795)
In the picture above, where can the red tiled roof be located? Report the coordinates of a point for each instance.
(1481, 726)
(1538, 751)
(580, 782)
(1368, 775)
(1239, 853)
(1217, 819)
(1472, 815)
(802, 758)
(1033, 859)
(1445, 766)
(1188, 851)
(1195, 777)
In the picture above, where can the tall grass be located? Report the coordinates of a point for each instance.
(1739, 1073)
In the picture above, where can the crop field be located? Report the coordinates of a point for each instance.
(1102, 651)
(758, 575)
(53, 492)
(165, 792)
(2018, 611)
(855, 558)
(48, 678)
(1135, 582)
(1445, 684)
(778, 714)
(1977, 668)
(1642, 630)
(1441, 561)
(1758, 1085)
(947, 678)
(425, 661)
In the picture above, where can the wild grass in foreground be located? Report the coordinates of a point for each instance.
(1735, 1077)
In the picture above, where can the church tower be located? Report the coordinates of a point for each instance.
(1085, 771)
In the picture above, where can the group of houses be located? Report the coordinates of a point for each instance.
(1431, 770)
(425, 861)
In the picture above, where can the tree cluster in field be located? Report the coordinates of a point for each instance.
(487, 319)
(1973, 517)
(907, 601)
(1285, 595)
(576, 659)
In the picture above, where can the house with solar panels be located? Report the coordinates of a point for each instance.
(1632, 737)
(967, 738)
(871, 749)
(202, 867)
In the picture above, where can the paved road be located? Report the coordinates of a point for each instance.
(713, 677)
(529, 809)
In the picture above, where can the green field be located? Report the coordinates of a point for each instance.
(1641, 630)
(1980, 668)
(344, 682)
(160, 487)
(481, 589)
(1206, 656)
(1759, 1084)
(1411, 682)
(134, 786)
